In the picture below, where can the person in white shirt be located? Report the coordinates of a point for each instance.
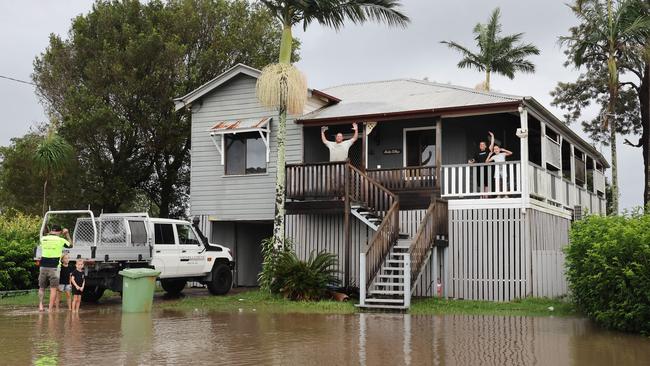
(499, 155)
(339, 148)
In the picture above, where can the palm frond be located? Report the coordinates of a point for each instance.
(334, 13)
(53, 152)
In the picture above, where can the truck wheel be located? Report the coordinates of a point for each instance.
(221, 280)
(173, 287)
(92, 294)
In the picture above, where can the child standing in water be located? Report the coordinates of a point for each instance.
(78, 280)
(64, 282)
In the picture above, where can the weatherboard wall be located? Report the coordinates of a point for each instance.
(245, 197)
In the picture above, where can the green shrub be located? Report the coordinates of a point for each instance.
(18, 238)
(608, 268)
(270, 255)
(305, 280)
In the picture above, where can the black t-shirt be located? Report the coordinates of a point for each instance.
(64, 277)
(481, 156)
(79, 277)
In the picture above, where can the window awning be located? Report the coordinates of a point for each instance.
(239, 126)
(259, 125)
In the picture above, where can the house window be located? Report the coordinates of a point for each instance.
(245, 153)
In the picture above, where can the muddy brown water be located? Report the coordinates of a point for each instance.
(108, 337)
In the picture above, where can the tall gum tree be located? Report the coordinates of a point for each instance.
(282, 86)
(609, 36)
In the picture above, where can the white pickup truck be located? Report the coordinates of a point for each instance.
(113, 242)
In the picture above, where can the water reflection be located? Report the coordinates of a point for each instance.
(108, 337)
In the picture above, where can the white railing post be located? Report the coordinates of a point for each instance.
(523, 146)
(407, 279)
(362, 279)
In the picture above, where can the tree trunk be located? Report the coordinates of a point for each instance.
(278, 221)
(45, 196)
(487, 80)
(612, 142)
(644, 104)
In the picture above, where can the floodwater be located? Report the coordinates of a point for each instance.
(107, 337)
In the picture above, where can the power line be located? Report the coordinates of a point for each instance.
(17, 80)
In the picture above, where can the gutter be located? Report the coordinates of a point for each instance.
(420, 113)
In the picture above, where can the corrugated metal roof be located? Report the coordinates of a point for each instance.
(402, 95)
(245, 124)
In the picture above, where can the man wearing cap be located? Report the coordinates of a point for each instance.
(52, 246)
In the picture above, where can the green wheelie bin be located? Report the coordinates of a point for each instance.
(137, 289)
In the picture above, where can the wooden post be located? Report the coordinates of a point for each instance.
(364, 149)
(346, 224)
(362, 279)
(407, 280)
(523, 146)
(438, 153)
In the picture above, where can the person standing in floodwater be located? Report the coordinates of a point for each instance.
(64, 282)
(78, 281)
(52, 246)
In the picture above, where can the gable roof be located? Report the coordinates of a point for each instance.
(198, 93)
(181, 102)
(403, 95)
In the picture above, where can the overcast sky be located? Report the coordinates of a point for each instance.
(371, 52)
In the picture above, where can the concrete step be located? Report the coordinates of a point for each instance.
(387, 301)
(382, 307)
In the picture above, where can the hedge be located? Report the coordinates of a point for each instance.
(608, 268)
(18, 238)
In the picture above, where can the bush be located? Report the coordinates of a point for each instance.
(300, 280)
(608, 268)
(18, 238)
(270, 255)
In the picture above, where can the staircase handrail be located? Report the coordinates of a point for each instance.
(381, 243)
(365, 189)
(433, 224)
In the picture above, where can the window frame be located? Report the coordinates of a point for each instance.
(173, 233)
(410, 129)
(225, 153)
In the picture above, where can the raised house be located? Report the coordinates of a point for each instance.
(407, 214)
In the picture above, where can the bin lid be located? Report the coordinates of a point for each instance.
(139, 272)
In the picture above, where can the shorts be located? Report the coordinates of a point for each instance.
(65, 288)
(75, 291)
(48, 276)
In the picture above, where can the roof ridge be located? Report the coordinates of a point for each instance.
(431, 83)
(467, 89)
(365, 82)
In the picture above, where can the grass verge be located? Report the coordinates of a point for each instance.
(262, 302)
(30, 299)
(258, 301)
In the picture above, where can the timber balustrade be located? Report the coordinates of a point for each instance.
(481, 179)
(315, 180)
(557, 190)
(433, 224)
(409, 178)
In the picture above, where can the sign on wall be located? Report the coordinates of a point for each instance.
(392, 151)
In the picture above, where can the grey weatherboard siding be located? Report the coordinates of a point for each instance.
(235, 197)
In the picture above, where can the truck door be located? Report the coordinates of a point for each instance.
(165, 250)
(192, 257)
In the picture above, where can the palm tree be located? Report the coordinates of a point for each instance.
(502, 55)
(52, 154)
(283, 87)
(608, 34)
